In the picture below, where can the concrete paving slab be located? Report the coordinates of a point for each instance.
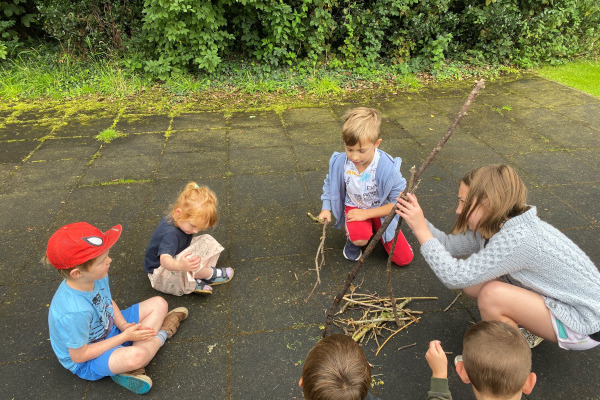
(586, 113)
(278, 373)
(79, 148)
(133, 123)
(196, 141)
(137, 144)
(39, 377)
(281, 189)
(105, 170)
(14, 216)
(45, 176)
(326, 134)
(24, 131)
(214, 164)
(13, 263)
(248, 340)
(195, 121)
(262, 160)
(244, 137)
(84, 127)
(311, 116)
(273, 234)
(13, 152)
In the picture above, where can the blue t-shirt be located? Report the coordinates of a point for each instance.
(77, 318)
(166, 239)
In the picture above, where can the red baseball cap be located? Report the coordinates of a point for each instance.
(76, 243)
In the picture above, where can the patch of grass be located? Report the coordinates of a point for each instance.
(46, 74)
(31, 75)
(324, 86)
(108, 135)
(582, 75)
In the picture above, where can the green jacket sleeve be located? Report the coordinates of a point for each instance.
(439, 390)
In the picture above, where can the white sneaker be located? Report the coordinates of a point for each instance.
(532, 339)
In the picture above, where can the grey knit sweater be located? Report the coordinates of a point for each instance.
(531, 252)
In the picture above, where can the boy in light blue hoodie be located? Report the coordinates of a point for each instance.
(362, 186)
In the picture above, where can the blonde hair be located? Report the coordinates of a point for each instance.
(196, 204)
(336, 369)
(499, 190)
(66, 273)
(360, 124)
(497, 358)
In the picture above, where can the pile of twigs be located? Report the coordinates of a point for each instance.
(369, 315)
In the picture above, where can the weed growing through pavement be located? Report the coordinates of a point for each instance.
(108, 135)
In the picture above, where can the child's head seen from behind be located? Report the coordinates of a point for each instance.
(77, 245)
(336, 369)
(496, 360)
(195, 209)
(361, 126)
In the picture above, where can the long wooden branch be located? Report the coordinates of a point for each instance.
(371, 245)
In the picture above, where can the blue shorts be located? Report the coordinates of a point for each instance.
(97, 368)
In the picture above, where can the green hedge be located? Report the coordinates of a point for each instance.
(15, 17)
(166, 36)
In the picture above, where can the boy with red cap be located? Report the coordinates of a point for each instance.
(90, 335)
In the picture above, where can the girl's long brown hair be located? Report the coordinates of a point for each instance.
(499, 190)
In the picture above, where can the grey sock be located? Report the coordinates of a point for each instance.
(162, 335)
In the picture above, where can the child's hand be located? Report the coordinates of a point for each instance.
(139, 333)
(325, 216)
(411, 212)
(189, 262)
(437, 360)
(126, 325)
(356, 214)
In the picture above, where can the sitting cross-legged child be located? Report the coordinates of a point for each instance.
(90, 335)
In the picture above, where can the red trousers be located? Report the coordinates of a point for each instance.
(364, 230)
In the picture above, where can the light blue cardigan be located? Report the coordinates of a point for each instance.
(390, 184)
(531, 252)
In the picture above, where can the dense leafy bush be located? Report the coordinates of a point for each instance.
(15, 15)
(170, 36)
(185, 33)
(96, 26)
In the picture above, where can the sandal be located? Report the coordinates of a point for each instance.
(202, 287)
(225, 276)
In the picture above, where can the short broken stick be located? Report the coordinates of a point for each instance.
(453, 301)
(359, 263)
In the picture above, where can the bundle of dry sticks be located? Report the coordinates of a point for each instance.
(368, 315)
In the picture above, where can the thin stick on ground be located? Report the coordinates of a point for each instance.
(394, 333)
(453, 301)
(319, 261)
(407, 346)
(352, 274)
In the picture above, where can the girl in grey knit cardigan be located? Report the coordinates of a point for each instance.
(521, 270)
